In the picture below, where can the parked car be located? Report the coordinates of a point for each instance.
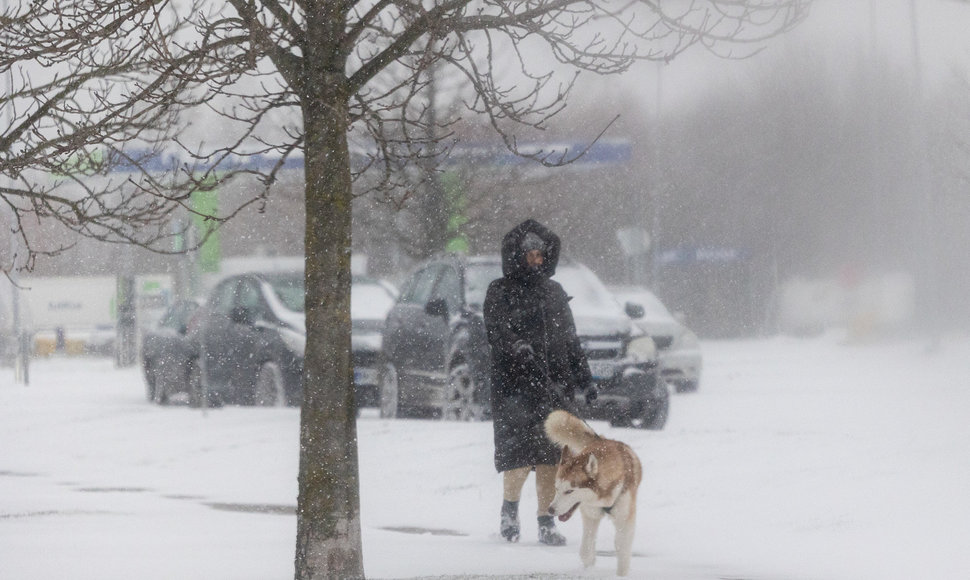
(436, 355)
(681, 360)
(252, 337)
(169, 355)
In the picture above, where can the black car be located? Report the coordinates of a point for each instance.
(252, 335)
(169, 355)
(436, 354)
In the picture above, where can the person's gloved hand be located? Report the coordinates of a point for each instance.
(523, 351)
(591, 394)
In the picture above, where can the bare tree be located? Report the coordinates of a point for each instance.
(98, 86)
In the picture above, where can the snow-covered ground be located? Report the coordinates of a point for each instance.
(797, 459)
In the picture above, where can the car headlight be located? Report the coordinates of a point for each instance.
(642, 349)
(294, 340)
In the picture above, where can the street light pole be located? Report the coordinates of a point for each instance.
(925, 260)
(657, 184)
(21, 348)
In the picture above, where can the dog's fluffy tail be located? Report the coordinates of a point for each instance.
(567, 430)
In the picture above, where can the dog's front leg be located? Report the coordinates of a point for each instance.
(587, 549)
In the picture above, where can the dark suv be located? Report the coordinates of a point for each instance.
(436, 355)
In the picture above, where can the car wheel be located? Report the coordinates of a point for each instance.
(390, 393)
(161, 392)
(157, 387)
(268, 388)
(652, 414)
(462, 396)
(207, 397)
(150, 382)
(619, 420)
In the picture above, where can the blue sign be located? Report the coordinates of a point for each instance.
(606, 152)
(599, 153)
(684, 255)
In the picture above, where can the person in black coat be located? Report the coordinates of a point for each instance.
(537, 364)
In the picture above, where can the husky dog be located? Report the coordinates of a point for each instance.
(600, 477)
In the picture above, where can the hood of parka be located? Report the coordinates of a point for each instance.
(513, 254)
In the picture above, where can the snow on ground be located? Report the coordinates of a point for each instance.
(797, 459)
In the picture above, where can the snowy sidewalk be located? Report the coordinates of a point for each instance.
(796, 460)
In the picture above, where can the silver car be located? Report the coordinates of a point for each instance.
(679, 349)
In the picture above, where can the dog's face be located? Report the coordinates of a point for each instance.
(575, 483)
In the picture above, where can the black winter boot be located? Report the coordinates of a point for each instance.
(510, 520)
(548, 534)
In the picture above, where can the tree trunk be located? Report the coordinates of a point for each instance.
(328, 507)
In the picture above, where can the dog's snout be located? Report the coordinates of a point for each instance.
(551, 510)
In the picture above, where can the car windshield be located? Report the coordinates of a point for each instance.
(590, 295)
(369, 301)
(288, 288)
(478, 275)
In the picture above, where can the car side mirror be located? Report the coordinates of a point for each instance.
(634, 310)
(436, 307)
(242, 315)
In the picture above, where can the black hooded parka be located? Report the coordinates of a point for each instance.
(525, 305)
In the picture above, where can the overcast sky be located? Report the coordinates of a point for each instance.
(839, 32)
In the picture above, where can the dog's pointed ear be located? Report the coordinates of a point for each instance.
(566, 455)
(592, 466)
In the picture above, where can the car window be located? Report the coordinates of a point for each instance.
(418, 290)
(178, 315)
(478, 276)
(449, 288)
(289, 289)
(249, 297)
(171, 318)
(406, 288)
(223, 296)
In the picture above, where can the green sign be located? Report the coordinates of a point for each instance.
(457, 205)
(205, 202)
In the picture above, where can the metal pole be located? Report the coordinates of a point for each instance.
(21, 339)
(925, 260)
(657, 185)
(21, 365)
(125, 348)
